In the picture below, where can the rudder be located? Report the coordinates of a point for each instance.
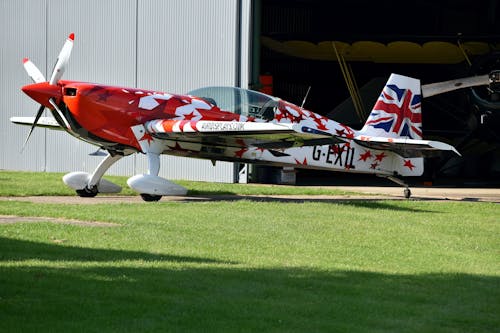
(397, 112)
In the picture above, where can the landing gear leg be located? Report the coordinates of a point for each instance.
(90, 189)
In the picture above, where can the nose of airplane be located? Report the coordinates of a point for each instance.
(42, 92)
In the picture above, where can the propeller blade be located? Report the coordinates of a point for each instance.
(38, 115)
(59, 112)
(62, 60)
(33, 71)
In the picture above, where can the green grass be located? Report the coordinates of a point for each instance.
(15, 183)
(245, 266)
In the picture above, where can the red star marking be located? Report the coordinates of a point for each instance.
(299, 118)
(374, 165)
(104, 96)
(301, 163)
(320, 126)
(240, 153)
(189, 116)
(380, 157)
(148, 137)
(171, 105)
(365, 156)
(336, 149)
(280, 115)
(408, 164)
(346, 131)
(93, 90)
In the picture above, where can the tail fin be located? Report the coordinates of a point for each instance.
(397, 112)
(395, 122)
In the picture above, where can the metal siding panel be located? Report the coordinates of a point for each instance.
(23, 35)
(104, 52)
(183, 45)
(105, 40)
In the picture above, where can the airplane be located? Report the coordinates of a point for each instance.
(231, 124)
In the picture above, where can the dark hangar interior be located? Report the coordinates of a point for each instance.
(429, 40)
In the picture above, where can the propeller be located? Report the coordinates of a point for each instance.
(41, 90)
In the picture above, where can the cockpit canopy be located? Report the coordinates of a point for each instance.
(248, 103)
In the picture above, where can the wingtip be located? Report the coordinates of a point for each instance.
(71, 36)
(25, 60)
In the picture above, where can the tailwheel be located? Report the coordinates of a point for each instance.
(406, 191)
(87, 192)
(150, 197)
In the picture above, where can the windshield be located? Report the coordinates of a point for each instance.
(241, 101)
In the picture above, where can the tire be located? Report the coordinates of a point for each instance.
(87, 192)
(150, 197)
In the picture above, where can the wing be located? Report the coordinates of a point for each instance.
(46, 122)
(266, 135)
(270, 135)
(405, 147)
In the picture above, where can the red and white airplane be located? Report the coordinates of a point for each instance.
(231, 124)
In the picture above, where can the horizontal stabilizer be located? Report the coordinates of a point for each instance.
(46, 122)
(404, 147)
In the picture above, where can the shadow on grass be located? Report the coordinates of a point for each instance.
(18, 250)
(199, 296)
(363, 202)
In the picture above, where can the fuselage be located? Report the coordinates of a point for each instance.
(105, 115)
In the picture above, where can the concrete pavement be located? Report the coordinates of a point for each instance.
(433, 193)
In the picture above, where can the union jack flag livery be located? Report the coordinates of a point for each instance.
(397, 112)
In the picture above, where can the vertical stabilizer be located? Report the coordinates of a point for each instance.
(397, 112)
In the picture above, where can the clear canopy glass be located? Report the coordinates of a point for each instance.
(248, 103)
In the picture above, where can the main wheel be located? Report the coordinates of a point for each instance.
(87, 192)
(150, 197)
(407, 193)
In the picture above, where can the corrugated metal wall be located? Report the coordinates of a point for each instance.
(170, 45)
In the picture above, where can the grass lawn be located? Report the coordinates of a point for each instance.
(246, 266)
(15, 183)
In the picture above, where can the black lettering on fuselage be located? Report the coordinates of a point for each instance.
(331, 152)
(316, 155)
(340, 155)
